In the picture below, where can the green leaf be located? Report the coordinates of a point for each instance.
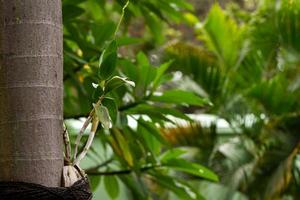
(155, 25)
(70, 12)
(94, 182)
(191, 168)
(136, 187)
(218, 30)
(103, 116)
(94, 9)
(152, 130)
(170, 10)
(274, 95)
(124, 146)
(155, 10)
(150, 141)
(108, 60)
(182, 190)
(102, 32)
(142, 59)
(146, 74)
(180, 97)
(112, 186)
(200, 65)
(107, 67)
(129, 69)
(160, 71)
(123, 41)
(116, 82)
(171, 154)
(143, 145)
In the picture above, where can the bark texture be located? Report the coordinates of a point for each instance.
(31, 91)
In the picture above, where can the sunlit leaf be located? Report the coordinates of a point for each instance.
(116, 82)
(218, 30)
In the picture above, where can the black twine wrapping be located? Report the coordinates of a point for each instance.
(30, 191)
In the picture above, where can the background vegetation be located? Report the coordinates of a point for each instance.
(197, 100)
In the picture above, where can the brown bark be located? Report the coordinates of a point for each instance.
(31, 91)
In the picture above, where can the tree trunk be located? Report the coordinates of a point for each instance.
(31, 91)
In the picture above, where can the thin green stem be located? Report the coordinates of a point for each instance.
(121, 18)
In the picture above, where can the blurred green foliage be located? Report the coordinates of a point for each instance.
(240, 66)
